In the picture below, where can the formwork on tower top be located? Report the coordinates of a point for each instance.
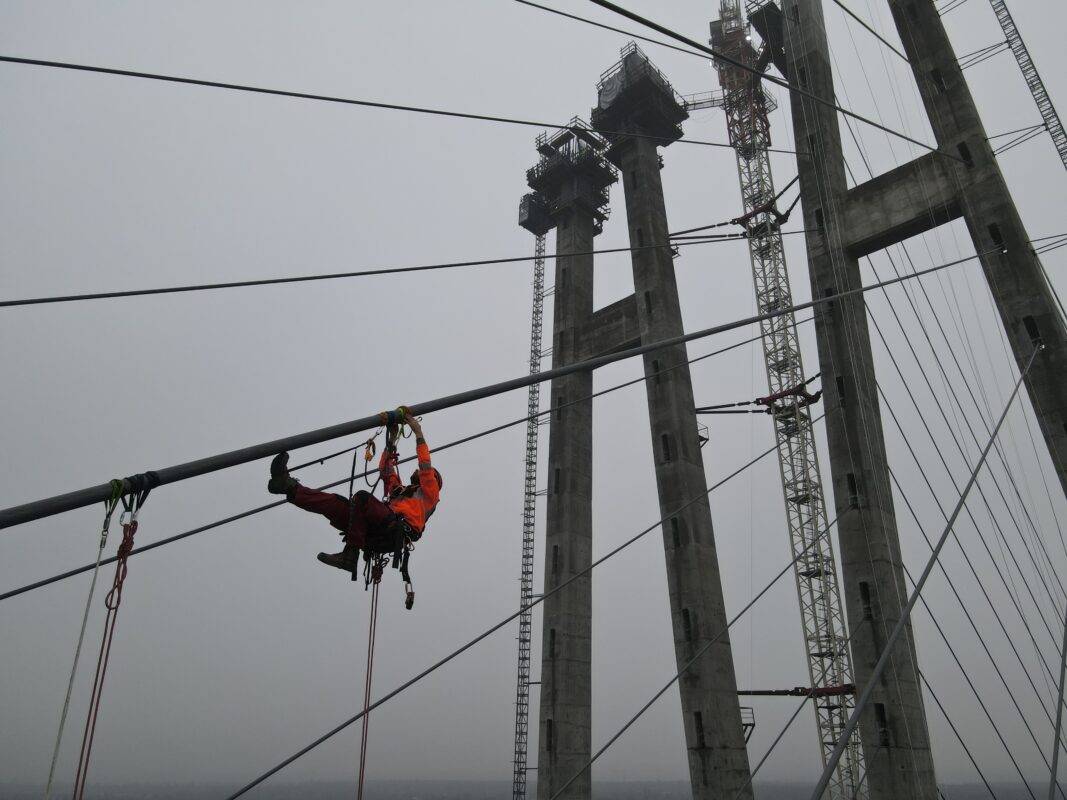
(575, 151)
(633, 95)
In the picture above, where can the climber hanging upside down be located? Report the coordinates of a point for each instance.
(366, 522)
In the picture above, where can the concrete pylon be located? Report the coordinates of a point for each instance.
(979, 194)
(893, 730)
(964, 180)
(572, 179)
(635, 97)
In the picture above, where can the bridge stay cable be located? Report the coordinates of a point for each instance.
(693, 659)
(905, 617)
(70, 501)
(522, 609)
(322, 459)
(350, 101)
(200, 287)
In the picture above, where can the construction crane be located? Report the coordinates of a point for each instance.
(533, 215)
(825, 639)
(1032, 78)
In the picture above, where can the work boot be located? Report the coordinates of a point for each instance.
(280, 481)
(347, 559)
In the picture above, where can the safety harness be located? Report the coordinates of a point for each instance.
(394, 542)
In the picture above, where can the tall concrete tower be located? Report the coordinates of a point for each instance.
(634, 97)
(572, 178)
(893, 731)
(961, 180)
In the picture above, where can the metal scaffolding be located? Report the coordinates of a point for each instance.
(533, 217)
(1033, 80)
(825, 638)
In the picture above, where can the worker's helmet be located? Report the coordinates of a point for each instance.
(440, 480)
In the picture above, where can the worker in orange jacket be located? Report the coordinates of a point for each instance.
(365, 521)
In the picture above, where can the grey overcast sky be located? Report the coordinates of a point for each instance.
(236, 647)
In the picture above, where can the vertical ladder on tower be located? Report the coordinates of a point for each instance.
(529, 524)
(822, 616)
(1032, 78)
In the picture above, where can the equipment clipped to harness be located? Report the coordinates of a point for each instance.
(393, 544)
(409, 587)
(376, 560)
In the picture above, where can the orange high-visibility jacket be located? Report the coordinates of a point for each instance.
(416, 506)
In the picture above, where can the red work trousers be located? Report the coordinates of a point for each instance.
(368, 514)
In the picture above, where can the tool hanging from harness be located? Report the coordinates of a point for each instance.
(131, 503)
(772, 402)
(393, 543)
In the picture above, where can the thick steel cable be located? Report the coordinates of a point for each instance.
(875, 676)
(58, 504)
(438, 664)
(692, 660)
(763, 76)
(472, 437)
(605, 27)
(199, 287)
(239, 87)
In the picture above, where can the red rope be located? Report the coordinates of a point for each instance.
(112, 602)
(371, 634)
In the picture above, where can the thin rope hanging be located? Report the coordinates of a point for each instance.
(109, 509)
(372, 631)
(132, 505)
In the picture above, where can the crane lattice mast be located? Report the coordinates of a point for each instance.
(1032, 78)
(529, 525)
(825, 638)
